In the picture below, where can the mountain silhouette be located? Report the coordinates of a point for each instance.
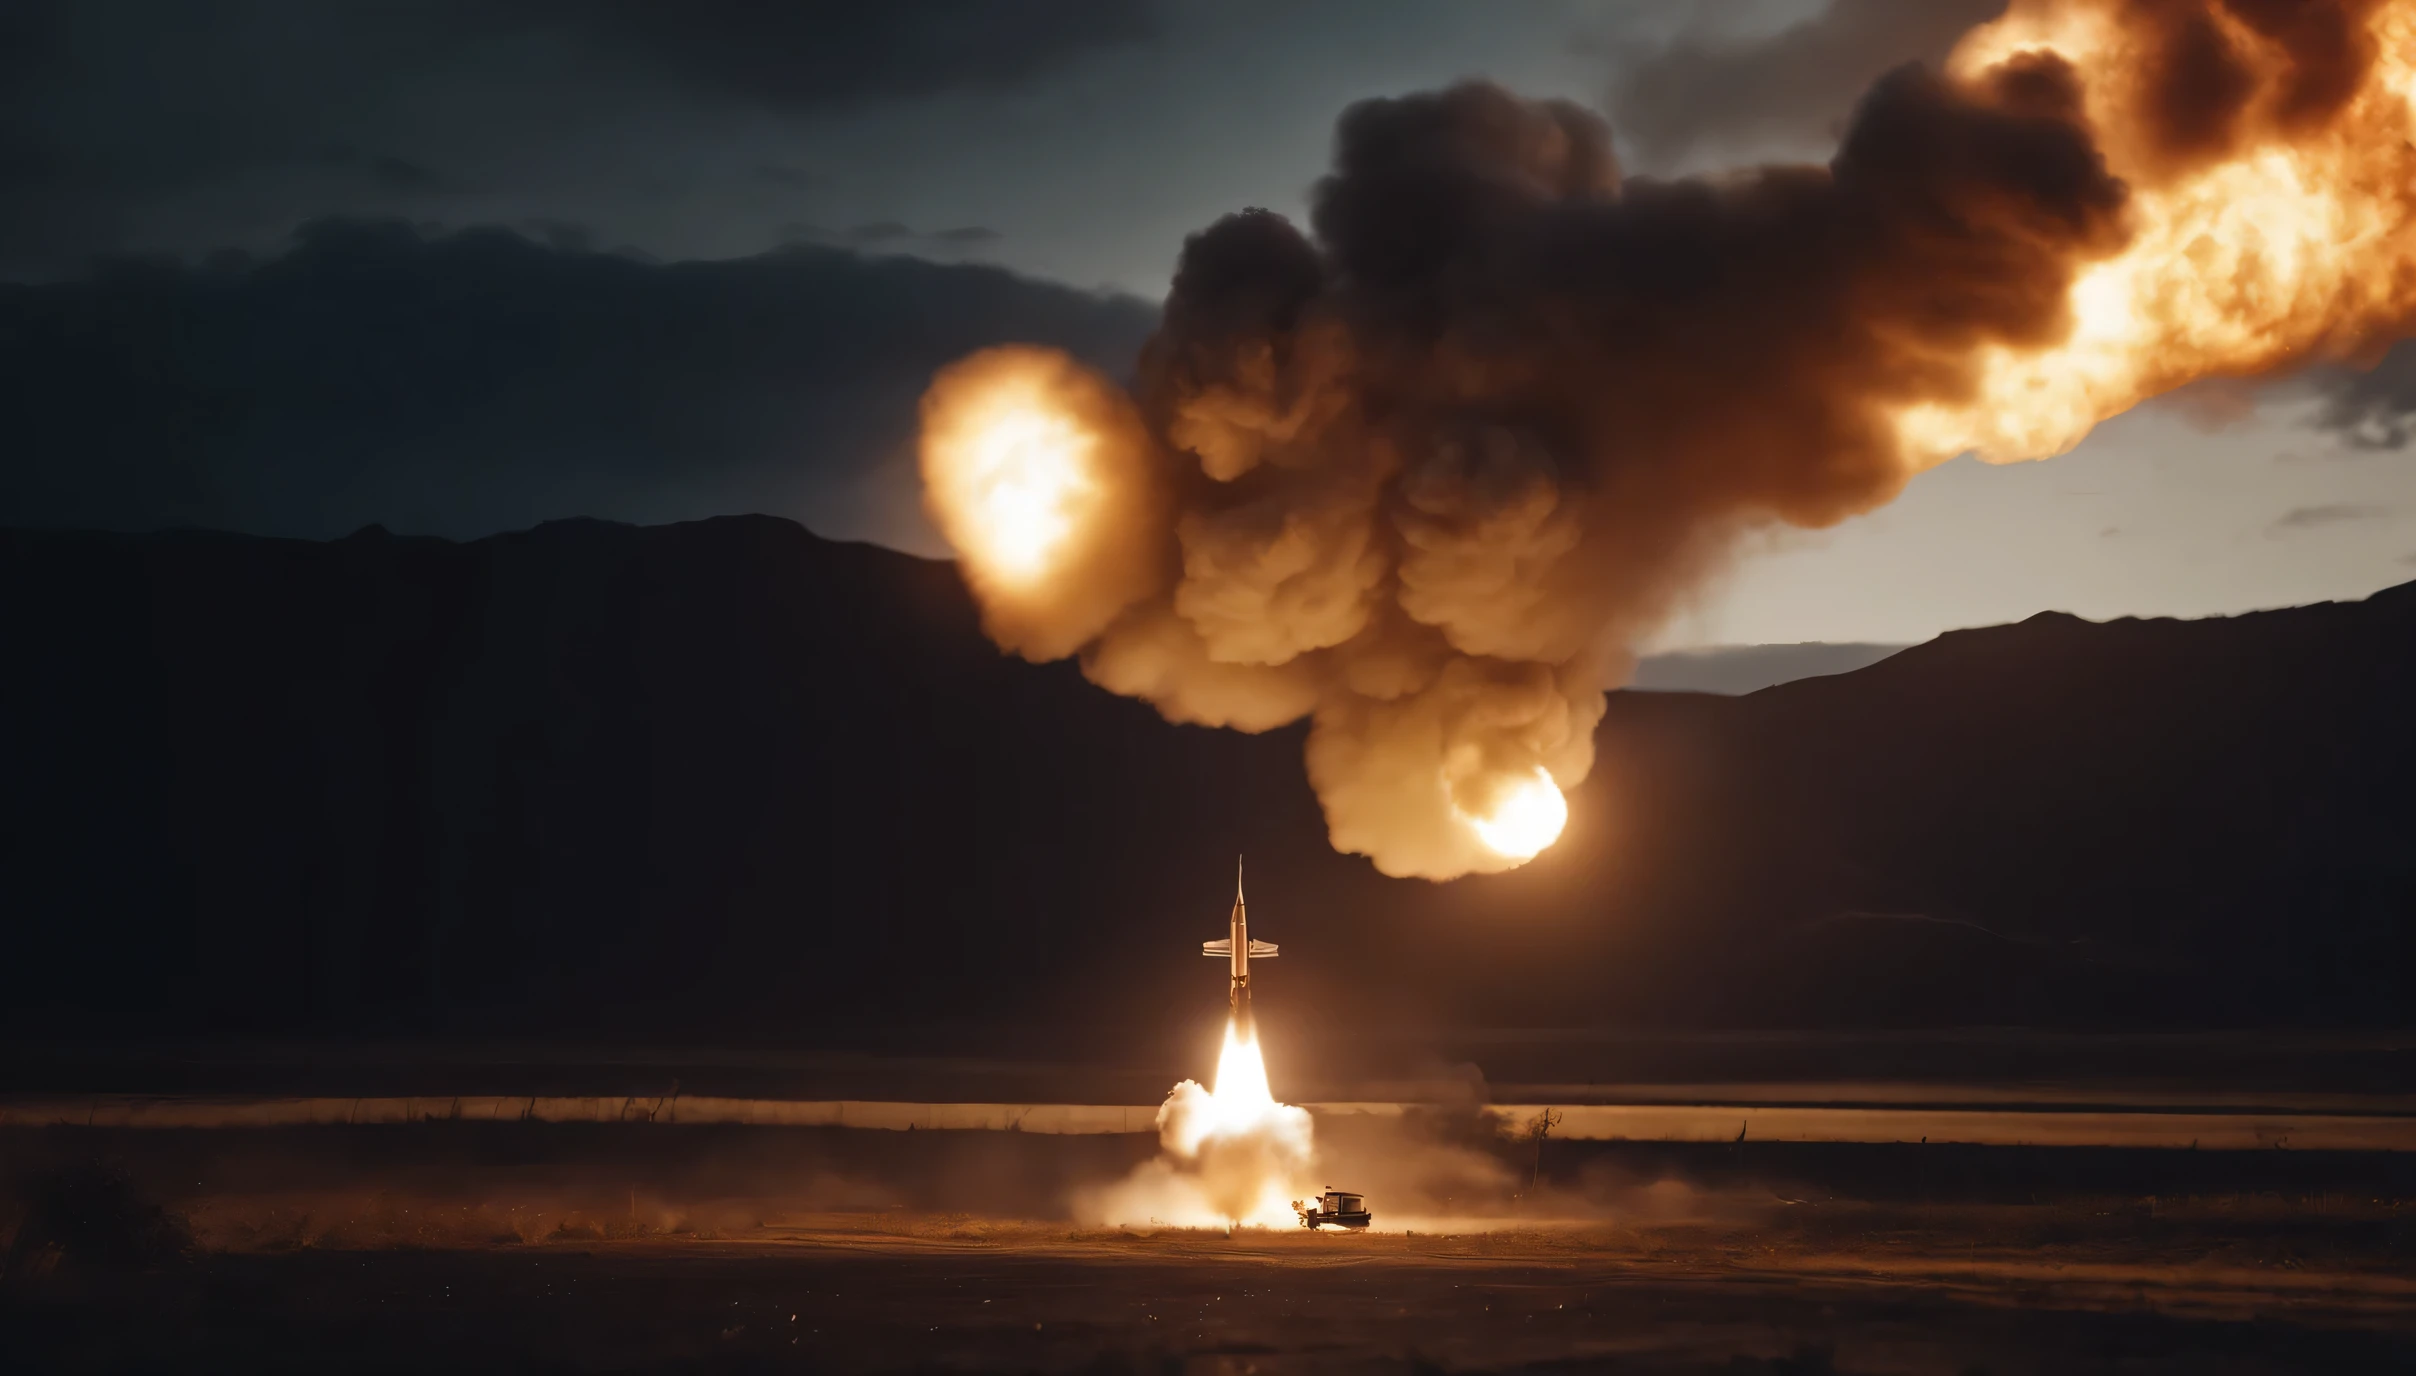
(728, 780)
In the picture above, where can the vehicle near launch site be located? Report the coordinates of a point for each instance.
(1334, 1209)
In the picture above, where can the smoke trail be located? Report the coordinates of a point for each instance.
(1426, 472)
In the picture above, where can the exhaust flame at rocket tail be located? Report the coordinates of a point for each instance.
(1231, 1153)
(1425, 473)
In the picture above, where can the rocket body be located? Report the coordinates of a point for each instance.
(1241, 960)
(1237, 950)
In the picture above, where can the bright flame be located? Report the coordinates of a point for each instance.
(1232, 1154)
(1038, 472)
(1527, 819)
(1243, 1100)
(1239, 1105)
(1013, 478)
(2299, 249)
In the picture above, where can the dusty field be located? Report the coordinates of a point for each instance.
(2246, 1287)
(503, 1247)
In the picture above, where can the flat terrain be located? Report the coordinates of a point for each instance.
(2243, 1287)
(638, 1241)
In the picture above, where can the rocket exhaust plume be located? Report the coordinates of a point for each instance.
(1229, 1155)
(1424, 474)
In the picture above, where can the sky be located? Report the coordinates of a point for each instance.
(457, 267)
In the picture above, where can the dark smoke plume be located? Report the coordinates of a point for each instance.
(1436, 464)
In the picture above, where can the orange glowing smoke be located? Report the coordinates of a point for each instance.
(1524, 819)
(1028, 469)
(1424, 475)
(1037, 473)
(2301, 246)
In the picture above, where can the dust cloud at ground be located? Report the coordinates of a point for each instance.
(1209, 1172)
(477, 1184)
(634, 1247)
(2266, 1282)
(1455, 1166)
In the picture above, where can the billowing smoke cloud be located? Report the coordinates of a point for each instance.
(1426, 471)
(1229, 1155)
(1211, 1172)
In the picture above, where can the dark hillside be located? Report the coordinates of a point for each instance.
(728, 780)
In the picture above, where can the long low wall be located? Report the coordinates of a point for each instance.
(2210, 1131)
(141, 1112)
(2215, 1131)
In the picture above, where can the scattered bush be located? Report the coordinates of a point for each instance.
(89, 1214)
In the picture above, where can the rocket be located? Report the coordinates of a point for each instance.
(1239, 950)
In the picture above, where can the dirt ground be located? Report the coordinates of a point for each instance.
(497, 1247)
(2243, 1287)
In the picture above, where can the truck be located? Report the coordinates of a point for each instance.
(1334, 1209)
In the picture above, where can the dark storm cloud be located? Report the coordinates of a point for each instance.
(569, 236)
(384, 168)
(812, 53)
(1791, 88)
(786, 177)
(476, 381)
(157, 121)
(2377, 409)
(403, 174)
(893, 236)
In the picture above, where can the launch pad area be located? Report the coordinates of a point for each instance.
(264, 1212)
(634, 1247)
(1845, 1289)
